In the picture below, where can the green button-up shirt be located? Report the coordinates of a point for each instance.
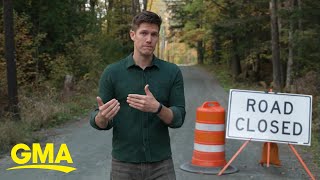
(139, 136)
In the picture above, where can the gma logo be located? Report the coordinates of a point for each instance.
(46, 157)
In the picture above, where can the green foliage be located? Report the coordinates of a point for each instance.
(59, 20)
(85, 58)
(48, 48)
(193, 30)
(26, 49)
(230, 28)
(54, 39)
(306, 30)
(309, 51)
(110, 49)
(80, 55)
(27, 55)
(59, 68)
(237, 28)
(117, 22)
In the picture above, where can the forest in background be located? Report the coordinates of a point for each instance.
(56, 41)
(272, 43)
(263, 44)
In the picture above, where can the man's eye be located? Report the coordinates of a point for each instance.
(143, 33)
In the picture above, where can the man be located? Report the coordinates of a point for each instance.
(140, 97)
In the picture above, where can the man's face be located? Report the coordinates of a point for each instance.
(145, 39)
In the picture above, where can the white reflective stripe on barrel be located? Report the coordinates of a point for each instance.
(208, 148)
(209, 127)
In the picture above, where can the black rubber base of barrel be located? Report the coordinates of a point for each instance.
(207, 170)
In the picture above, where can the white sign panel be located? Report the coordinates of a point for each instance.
(269, 117)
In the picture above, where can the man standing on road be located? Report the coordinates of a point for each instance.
(141, 96)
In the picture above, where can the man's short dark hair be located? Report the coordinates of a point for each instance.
(146, 17)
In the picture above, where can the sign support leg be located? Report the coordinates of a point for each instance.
(301, 161)
(234, 157)
(268, 155)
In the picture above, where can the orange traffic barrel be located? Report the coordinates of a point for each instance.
(273, 154)
(209, 141)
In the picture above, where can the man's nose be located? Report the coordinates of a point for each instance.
(149, 38)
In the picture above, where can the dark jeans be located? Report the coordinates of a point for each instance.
(162, 170)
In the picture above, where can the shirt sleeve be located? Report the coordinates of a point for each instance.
(177, 101)
(106, 93)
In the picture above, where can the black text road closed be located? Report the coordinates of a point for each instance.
(270, 117)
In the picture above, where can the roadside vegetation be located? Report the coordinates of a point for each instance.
(61, 49)
(39, 112)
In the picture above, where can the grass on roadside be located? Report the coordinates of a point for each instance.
(43, 109)
(221, 72)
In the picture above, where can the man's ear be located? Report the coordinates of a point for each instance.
(132, 34)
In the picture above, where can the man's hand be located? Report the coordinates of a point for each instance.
(145, 103)
(106, 112)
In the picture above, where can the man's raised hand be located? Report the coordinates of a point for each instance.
(145, 103)
(106, 112)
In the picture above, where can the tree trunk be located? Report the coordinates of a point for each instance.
(235, 59)
(257, 67)
(200, 52)
(138, 9)
(291, 45)
(109, 15)
(216, 56)
(235, 65)
(145, 3)
(300, 33)
(276, 64)
(300, 19)
(134, 7)
(9, 55)
(106, 5)
(282, 66)
(93, 22)
(92, 6)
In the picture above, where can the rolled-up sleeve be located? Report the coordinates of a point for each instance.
(177, 101)
(106, 93)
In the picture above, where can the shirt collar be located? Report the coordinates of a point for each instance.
(130, 62)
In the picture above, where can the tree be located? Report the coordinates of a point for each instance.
(235, 58)
(276, 64)
(290, 46)
(135, 7)
(9, 55)
(145, 3)
(193, 32)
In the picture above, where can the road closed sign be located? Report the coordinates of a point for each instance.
(269, 117)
